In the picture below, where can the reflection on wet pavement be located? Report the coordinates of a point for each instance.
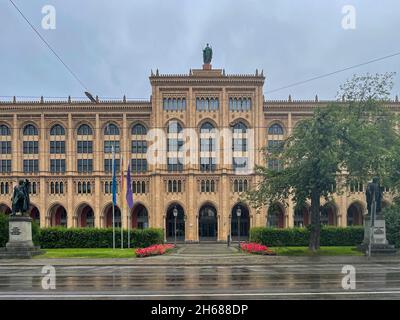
(199, 279)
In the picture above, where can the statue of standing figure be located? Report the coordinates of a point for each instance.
(374, 188)
(20, 199)
(207, 54)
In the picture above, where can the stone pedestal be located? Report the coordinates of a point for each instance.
(20, 243)
(379, 242)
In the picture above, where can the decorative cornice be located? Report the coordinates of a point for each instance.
(76, 106)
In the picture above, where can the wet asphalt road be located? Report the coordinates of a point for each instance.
(285, 281)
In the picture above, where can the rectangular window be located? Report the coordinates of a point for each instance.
(108, 165)
(57, 165)
(275, 145)
(31, 166)
(207, 145)
(175, 164)
(208, 164)
(5, 147)
(240, 145)
(5, 166)
(57, 147)
(85, 165)
(174, 144)
(139, 165)
(274, 164)
(139, 146)
(31, 147)
(109, 144)
(239, 163)
(85, 147)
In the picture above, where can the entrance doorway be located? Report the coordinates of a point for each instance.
(180, 223)
(208, 223)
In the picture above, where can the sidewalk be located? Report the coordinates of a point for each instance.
(191, 255)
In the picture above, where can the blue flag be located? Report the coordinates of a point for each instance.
(129, 194)
(114, 179)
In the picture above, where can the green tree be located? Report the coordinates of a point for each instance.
(343, 142)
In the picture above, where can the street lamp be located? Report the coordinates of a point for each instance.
(175, 213)
(238, 213)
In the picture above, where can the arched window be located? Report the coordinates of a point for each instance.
(143, 187)
(240, 127)
(174, 127)
(106, 190)
(57, 130)
(207, 127)
(275, 129)
(207, 146)
(30, 130)
(235, 104)
(111, 130)
(5, 130)
(139, 129)
(34, 191)
(61, 187)
(84, 130)
(52, 188)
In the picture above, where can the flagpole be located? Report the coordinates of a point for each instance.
(113, 205)
(129, 228)
(129, 201)
(121, 197)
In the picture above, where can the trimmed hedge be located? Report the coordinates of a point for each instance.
(59, 237)
(330, 236)
(3, 230)
(392, 217)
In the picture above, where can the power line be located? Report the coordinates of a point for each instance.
(332, 73)
(49, 46)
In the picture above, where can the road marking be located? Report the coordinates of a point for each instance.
(343, 293)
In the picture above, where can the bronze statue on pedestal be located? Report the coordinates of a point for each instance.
(20, 199)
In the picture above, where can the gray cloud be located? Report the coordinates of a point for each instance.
(113, 45)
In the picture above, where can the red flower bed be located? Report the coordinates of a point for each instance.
(154, 250)
(256, 248)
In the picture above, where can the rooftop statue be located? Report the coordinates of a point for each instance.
(207, 54)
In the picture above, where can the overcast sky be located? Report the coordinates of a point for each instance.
(113, 45)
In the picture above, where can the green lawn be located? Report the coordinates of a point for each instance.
(88, 253)
(323, 251)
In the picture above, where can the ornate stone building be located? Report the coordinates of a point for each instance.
(64, 149)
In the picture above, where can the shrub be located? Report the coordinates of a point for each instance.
(3, 230)
(330, 236)
(59, 237)
(256, 248)
(154, 250)
(392, 217)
